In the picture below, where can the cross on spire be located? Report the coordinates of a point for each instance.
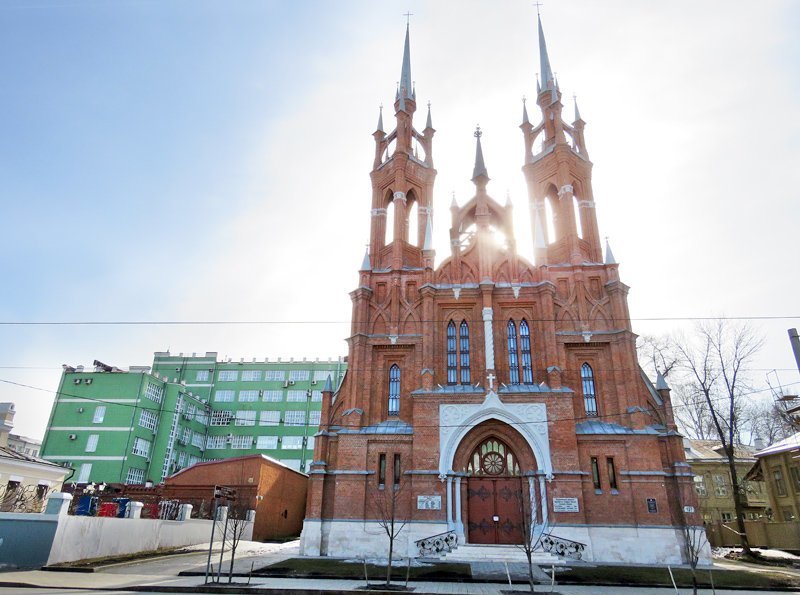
(478, 132)
(537, 5)
(408, 16)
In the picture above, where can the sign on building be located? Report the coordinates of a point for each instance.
(429, 502)
(565, 505)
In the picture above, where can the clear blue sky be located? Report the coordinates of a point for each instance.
(208, 161)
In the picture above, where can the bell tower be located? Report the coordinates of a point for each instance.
(558, 174)
(402, 176)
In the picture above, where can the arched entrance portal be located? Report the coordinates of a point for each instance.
(495, 460)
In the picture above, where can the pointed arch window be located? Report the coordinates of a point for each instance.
(452, 354)
(458, 353)
(525, 349)
(589, 394)
(513, 355)
(463, 348)
(394, 390)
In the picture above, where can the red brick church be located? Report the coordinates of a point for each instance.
(487, 376)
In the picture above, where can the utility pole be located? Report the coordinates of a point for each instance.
(795, 341)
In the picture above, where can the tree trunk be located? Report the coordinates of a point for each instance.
(389, 563)
(737, 504)
(531, 583)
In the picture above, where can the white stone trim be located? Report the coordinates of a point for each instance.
(529, 419)
(488, 336)
(566, 188)
(399, 196)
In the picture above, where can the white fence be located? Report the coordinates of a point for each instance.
(84, 537)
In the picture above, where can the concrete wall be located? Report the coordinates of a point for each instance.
(81, 538)
(25, 539)
(31, 540)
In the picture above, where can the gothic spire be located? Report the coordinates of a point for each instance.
(406, 90)
(577, 111)
(380, 120)
(429, 122)
(480, 167)
(428, 243)
(609, 254)
(548, 82)
(365, 264)
(525, 119)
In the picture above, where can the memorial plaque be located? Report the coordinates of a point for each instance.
(429, 502)
(652, 506)
(565, 505)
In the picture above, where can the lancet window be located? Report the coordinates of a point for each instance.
(394, 390)
(589, 391)
(458, 353)
(520, 363)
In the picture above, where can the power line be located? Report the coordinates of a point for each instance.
(279, 322)
(135, 405)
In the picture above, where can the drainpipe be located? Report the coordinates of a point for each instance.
(795, 341)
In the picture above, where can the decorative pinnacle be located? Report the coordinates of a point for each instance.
(480, 167)
(380, 118)
(577, 111)
(429, 122)
(525, 119)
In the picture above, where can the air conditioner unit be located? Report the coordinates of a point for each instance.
(80, 409)
(73, 436)
(291, 382)
(285, 383)
(88, 381)
(313, 382)
(228, 438)
(76, 381)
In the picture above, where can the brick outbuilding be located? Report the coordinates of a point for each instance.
(276, 492)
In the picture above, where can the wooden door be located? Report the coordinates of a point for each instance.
(494, 514)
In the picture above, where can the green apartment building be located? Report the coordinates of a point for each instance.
(146, 423)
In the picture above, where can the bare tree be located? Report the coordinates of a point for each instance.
(694, 542)
(657, 354)
(769, 421)
(532, 531)
(691, 411)
(387, 503)
(716, 362)
(237, 523)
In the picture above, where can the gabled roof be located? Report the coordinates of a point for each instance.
(788, 444)
(711, 450)
(7, 453)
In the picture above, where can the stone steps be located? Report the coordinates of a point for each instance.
(498, 553)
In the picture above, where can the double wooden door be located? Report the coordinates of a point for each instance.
(494, 510)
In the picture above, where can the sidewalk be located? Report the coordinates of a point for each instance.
(161, 575)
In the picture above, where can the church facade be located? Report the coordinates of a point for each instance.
(490, 398)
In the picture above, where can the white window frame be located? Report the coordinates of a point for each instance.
(267, 443)
(251, 375)
(148, 419)
(227, 376)
(296, 396)
(91, 442)
(245, 418)
(299, 375)
(215, 442)
(295, 418)
(241, 442)
(84, 473)
(202, 376)
(224, 396)
(314, 417)
(248, 396)
(292, 443)
(141, 447)
(99, 414)
(135, 476)
(269, 418)
(274, 375)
